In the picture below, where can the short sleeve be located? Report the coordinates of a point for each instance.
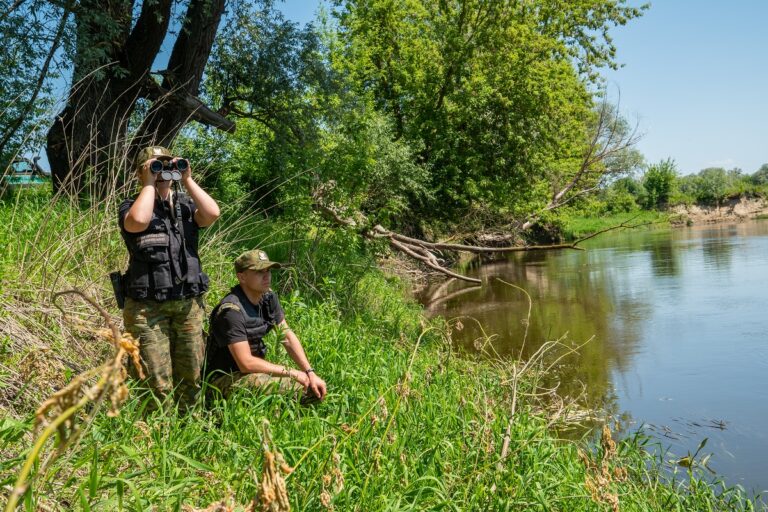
(229, 327)
(123, 211)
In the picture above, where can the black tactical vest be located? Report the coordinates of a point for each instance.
(259, 318)
(164, 263)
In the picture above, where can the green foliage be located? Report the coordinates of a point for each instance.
(760, 177)
(26, 33)
(658, 182)
(375, 173)
(623, 195)
(486, 91)
(576, 226)
(714, 184)
(620, 201)
(266, 68)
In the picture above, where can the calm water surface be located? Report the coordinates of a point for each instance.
(679, 330)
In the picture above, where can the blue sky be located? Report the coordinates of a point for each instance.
(694, 76)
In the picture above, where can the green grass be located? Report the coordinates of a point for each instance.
(409, 423)
(576, 226)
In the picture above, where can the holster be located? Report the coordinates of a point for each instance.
(117, 287)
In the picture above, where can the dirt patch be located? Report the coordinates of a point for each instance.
(732, 210)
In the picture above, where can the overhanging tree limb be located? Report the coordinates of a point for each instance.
(610, 137)
(424, 251)
(196, 109)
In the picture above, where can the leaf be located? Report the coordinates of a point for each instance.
(192, 462)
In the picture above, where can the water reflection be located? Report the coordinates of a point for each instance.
(571, 301)
(674, 319)
(664, 259)
(717, 247)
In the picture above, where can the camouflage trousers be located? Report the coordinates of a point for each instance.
(226, 383)
(172, 348)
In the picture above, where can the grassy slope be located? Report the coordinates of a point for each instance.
(407, 425)
(575, 226)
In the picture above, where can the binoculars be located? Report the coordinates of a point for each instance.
(168, 169)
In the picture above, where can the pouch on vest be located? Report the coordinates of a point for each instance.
(153, 247)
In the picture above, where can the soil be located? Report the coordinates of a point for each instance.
(732, 210)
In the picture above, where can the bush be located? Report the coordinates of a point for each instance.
(659, 182)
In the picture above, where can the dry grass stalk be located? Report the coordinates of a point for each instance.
(273, 494)
(332, 482)
(599, 477)
(57, 413)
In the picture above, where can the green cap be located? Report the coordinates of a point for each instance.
(151, 152)
(255, 259)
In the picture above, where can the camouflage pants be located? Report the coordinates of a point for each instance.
(170, 334)
(228, 382)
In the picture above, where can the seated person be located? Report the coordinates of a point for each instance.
(236, 350)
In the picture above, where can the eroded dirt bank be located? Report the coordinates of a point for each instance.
(732, 210)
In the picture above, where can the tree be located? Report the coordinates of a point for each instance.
(32, 34)
(712, 185)
(114, 46)
(658, 182)
(487, 90)
(760, 177)
(608, 154)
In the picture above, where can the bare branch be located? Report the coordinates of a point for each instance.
(40, 80)
(608, 139)
(12, 8)
(195, 108)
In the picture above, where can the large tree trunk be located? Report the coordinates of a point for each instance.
(184, 74)
(87, 146)
(87, 137)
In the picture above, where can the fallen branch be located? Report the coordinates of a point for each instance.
(424, 251)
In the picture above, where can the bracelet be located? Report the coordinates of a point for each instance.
(308, 371)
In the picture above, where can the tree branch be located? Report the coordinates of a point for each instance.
(40, 80)
(194, 108)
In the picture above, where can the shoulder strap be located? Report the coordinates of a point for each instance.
(231, 301)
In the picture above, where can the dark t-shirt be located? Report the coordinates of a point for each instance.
(228, 327)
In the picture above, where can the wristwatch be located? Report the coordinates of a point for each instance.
(308, 371)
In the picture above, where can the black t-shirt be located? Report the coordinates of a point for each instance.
(228, 327)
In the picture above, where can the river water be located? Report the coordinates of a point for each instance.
(676, 327)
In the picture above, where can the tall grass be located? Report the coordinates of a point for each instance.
(409, 423)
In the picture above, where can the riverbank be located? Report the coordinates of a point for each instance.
(575, 227)
(409, 424)
(732, 210)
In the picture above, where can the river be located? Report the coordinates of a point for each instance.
(676, 330)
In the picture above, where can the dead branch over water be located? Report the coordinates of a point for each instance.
(429, 253)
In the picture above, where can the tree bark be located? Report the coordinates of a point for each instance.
(184, 74)
(87, 144)
(88, 135)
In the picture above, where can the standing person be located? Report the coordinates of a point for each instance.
(236, 351)
(164, 283)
